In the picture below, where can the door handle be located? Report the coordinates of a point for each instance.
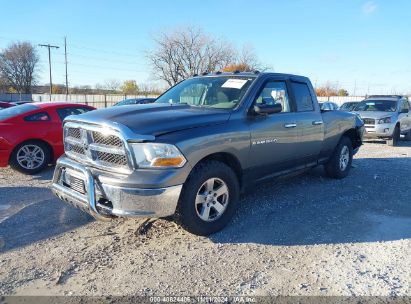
(317, 122)
(290, 125)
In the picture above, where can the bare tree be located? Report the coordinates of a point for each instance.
(18, 65)
(3, 84)
(112, 85)
(149, 89)
(181, 53)
(247, 60)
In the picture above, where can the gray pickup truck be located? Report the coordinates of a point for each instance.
(204, 141)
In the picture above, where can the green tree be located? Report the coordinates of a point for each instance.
(129, 87)
(342, 92)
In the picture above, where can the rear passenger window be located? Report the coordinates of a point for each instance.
(302, 97)
(42, 116)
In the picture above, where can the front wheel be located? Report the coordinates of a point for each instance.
(393, 141)
(340, 163)
(209, 198)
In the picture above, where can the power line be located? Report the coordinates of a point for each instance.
(103, 51)
(48, 46)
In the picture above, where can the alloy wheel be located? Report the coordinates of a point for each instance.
(212, 199)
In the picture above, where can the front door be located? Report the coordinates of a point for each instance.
(274, 138)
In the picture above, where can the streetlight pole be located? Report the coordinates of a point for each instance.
(48, 46)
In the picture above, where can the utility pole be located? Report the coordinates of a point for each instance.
(355, 87)
(65, 56)
(48, 46)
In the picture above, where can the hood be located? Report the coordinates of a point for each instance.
(156, 119)
(374, 114)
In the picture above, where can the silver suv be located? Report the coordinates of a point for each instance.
(385, 117)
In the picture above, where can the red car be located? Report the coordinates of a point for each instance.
(4, 105)
(31, 134)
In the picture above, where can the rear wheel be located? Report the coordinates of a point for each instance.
(30, 157)
(340, 163)
(393, 141)
(209, 198)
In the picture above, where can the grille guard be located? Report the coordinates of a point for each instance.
(89, 200)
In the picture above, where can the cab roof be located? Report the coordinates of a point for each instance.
(252, 74)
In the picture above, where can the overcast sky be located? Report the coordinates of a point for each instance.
(363, 45)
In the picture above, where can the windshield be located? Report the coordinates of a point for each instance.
(214, 92)
(17, 110)
(377, 106)
(126, 102)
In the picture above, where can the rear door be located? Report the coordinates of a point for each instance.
(309, 121)
(274, 138)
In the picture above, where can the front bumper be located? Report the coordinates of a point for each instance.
(379, 131)
(103, 200)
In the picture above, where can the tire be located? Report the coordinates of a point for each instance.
(191, 215)
(408, 136)
(340, 163)
(21, 160)
(393, 141)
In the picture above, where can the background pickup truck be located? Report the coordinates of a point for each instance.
(192, 152)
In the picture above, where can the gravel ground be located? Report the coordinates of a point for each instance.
(308, 235)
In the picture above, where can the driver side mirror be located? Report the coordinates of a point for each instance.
(267, 109)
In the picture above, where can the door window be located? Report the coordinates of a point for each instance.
(64, 112)
(274, 92)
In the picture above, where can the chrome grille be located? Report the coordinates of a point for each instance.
(77, 184)
(75, 133)
(76, 149)
(109, 140)
(103, 150)
(112, 158)
(368, 121)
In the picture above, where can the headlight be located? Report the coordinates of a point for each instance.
(157, 155)
(384, 120)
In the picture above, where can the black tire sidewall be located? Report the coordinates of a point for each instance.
(15, 164)
(393, 141)
(333, 166)
(186, 213)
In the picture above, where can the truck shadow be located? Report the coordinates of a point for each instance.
(31, 214)
(370, 205)
(401, 143)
